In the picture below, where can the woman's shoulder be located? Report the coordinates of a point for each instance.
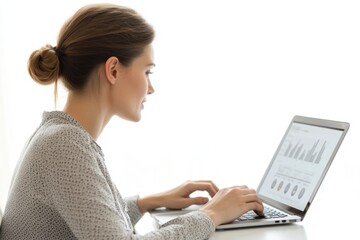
(59, 127)
(60, 137)
(60, 140)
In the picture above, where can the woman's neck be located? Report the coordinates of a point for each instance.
(88, 111)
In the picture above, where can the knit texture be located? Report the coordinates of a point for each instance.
(61, 189)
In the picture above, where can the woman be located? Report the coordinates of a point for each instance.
(61, 187)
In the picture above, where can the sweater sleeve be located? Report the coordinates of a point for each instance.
(195, 225)
(133, 209)
(192, 226)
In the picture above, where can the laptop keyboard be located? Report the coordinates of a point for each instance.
(268, 214)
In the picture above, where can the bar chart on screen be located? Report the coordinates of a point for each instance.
(312, 155)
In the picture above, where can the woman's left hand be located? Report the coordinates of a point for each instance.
(178, 197)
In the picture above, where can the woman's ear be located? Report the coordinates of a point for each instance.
(112, 69)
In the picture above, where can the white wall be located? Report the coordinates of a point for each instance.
(230, 75)
(4, 164)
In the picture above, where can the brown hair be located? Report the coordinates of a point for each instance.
(87, 39)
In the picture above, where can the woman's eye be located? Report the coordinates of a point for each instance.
(148, 73)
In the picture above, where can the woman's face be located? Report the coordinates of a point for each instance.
(133, 85)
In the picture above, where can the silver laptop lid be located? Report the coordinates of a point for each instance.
(300, 163)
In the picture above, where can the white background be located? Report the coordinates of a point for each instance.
(230, 75)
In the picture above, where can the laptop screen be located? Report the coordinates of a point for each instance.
(300, 164)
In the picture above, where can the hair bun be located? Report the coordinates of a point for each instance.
(44, 65)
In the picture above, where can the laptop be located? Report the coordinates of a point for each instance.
(293, 177)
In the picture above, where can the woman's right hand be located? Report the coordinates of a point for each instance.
(230, 203)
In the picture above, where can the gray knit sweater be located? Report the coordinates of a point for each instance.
(62, 190)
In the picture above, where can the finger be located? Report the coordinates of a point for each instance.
(256, 207)
(254, 203)
(251, 198)
(237, 191)
(212, 185)
(202, 186)
(246, 191)
(210, 182)
(199, 200)
(240, 187)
